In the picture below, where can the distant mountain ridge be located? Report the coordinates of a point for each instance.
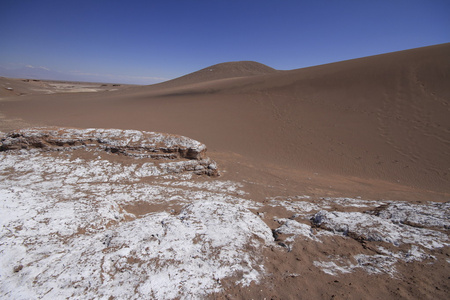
(31, 72)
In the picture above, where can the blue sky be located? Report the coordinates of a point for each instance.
(151, 41)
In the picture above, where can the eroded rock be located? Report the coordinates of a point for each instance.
(190, 154)
(367, 227)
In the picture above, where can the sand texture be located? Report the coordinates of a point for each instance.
(328, 182)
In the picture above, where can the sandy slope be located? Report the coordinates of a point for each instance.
(383, 118)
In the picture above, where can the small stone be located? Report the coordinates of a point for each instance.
(17, 268)
(199, 167)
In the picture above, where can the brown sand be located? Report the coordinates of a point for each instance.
(376, 120)
(376, 127)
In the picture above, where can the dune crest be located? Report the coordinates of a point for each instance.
(220, 71)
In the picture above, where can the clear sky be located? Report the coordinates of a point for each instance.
(151, 41)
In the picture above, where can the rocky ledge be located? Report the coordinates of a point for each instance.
(133, 143)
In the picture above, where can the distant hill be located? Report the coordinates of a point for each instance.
(220, 71)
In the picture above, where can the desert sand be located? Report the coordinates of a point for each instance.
(335, 178)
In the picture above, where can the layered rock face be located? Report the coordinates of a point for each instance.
(133, 143)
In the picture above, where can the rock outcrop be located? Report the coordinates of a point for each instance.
(133, 143)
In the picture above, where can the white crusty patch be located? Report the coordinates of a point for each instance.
(422, 227)
(373, 228)
(372, 264)
(425, 215)
(160, 256)
(299, 206)
(223, 186)
(294, 229)
(66, 231)
(383, 263)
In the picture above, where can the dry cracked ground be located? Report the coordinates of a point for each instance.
(117, 214)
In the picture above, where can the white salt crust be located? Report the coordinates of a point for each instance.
(423, 227)
(64, 224)
(68, 230)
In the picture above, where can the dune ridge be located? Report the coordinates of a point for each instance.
(220, 71)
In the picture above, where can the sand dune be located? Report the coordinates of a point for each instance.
(220, 71)
(382, 118)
